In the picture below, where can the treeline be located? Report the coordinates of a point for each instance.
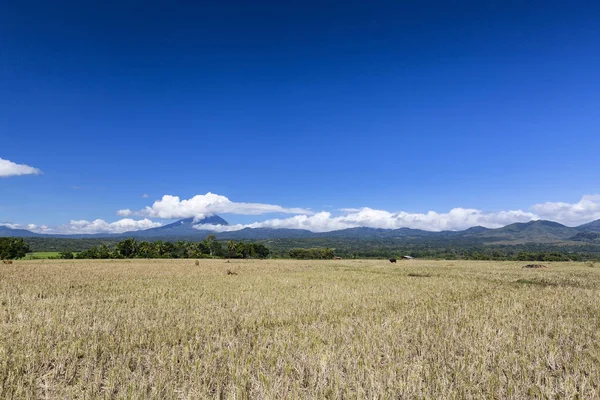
(494, 255)
(531, 256)
(13, 248)
(315, 253)
(66, 244)
(378, 249)
(343, 247)
(246, 250)
(209, 247)
(487, 254)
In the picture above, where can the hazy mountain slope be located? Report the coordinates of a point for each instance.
(533, 231)
(5, 231)
(184, 227)
(593, 226)
(529, 232)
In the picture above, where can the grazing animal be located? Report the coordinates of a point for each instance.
(7, 261)
(197, 262)
(392, 260)
(337, 258)
(230, 272)
(534, 266)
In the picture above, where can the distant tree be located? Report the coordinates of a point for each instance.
(66, 255)
(243, 250)
(126, 248)
(195, 250)
(179, 249)
(159, 249)
(88, 254)
(315, 253)
(214, 247)
(169, 250)
(526, 256)
(203, 248)
(13, 248)
(144, 250)
(208, 242)
(232, 249)
(217, 250)
(104, 252)
(260, 250)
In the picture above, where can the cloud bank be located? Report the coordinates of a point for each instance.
(75, 227)
(99, 225)
(31, 227)
(203, 205)
(171, 207)
(570, 214)
(9, 168)
(586, 210)
(455, 219)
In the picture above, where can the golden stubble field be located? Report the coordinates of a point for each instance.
(298, 329)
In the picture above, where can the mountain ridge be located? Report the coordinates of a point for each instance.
(538, 231)
(183, 227)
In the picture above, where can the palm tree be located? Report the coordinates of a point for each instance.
(232, 247)
(159, 248)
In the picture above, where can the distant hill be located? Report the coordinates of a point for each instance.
(475, 230)
(533, 231)
(181, 228)
(542, 232)
(586, 237)
(184, 227)
(374, 233)
(593, 226)
(264, 233)
(5, 231)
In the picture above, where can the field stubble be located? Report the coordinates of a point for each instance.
(291, 329)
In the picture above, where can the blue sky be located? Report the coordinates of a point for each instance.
(394, 106)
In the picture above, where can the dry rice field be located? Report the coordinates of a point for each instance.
(169, 329)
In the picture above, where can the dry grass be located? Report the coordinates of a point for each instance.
(298, 329)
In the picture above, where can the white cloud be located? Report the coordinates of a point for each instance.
(29, 227)
(455, 219)
(101, 226)
(145, 196)
(203, 205)
(586, 210)
(320, 222)
(219, 228)
(96, 226)
(9, 168)
(12, 226)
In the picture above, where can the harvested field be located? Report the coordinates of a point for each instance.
(298, 329)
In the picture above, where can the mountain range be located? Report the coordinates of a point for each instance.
(539, 231)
